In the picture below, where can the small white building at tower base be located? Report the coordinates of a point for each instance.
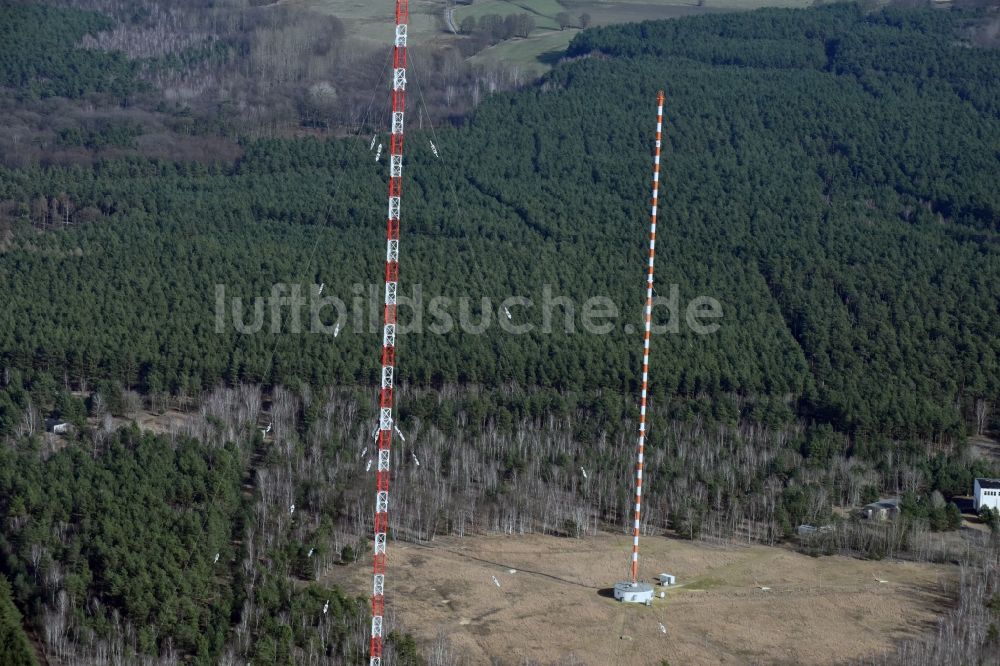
(635, 593)
(986, 492)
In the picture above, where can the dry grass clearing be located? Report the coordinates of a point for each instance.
(556, 602)
(987, 448)
(171, 421)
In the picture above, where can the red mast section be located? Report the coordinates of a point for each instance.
(385, 396)
(645, 343)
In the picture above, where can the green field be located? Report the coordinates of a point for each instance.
(372, 21)
(535, 54)
(709, 4)
(756, 4)
(543, 11)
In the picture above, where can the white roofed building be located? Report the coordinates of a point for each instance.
(986, 492)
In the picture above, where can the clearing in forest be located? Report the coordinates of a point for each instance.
(818, 610)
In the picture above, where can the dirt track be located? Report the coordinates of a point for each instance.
(556, 603)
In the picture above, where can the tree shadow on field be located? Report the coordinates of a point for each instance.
(551, 58)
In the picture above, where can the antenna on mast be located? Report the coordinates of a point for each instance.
(632, 590)
(386, 421)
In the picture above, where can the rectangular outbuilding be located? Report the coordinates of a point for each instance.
(884, 509)
(57, 427)
(986, 492)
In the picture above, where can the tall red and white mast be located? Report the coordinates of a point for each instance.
(385, 396)
(645, 342)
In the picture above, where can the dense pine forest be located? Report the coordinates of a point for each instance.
(838, 203)
(829, 178)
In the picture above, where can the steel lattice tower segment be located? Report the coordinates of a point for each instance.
(385, 396)
(645, 343)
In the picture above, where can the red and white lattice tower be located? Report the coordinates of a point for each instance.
(648, 314)
(385, 396)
